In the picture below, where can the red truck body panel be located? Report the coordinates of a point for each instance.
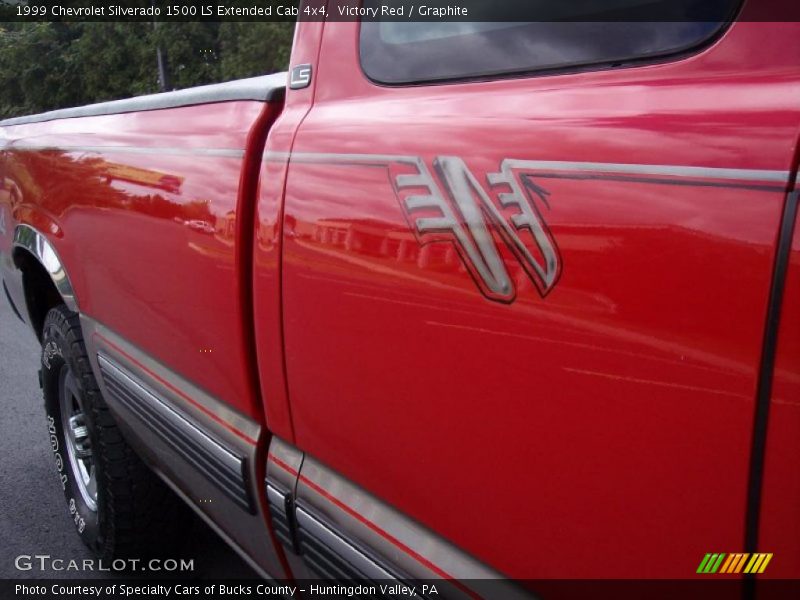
(146, 226)
(268, 246)
(151, 215)
(615, 413)
(780, 517)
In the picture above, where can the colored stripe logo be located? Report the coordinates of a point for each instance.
(742, 562)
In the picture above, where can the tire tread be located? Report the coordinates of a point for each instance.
(139, 515)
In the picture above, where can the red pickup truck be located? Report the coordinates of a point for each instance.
(489, 301)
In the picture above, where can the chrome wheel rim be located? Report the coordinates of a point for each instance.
(78, 442)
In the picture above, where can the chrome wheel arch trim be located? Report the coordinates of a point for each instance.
(35, 242)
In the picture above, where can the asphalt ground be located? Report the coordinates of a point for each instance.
(34, 518)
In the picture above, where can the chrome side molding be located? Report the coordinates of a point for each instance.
(40, 247)
(327, 552)
(338, 531)
(281, 510)
(330, 554)
(224, 468)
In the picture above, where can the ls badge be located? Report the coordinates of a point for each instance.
(300, 77)
(461, 210)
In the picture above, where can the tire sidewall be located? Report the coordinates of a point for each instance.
(57, 355)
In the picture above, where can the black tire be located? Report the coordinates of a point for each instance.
(134, 514)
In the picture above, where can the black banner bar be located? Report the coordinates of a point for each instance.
(399, 10)
(712, 588)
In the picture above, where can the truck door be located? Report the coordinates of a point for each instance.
(526, 271)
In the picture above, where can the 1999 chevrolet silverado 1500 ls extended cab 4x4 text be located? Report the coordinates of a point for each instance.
(497, 314)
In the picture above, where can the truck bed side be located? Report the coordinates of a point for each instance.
(142, 212)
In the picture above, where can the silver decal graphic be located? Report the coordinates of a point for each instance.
(459, 208)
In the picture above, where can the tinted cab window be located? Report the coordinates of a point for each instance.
(401, 52)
